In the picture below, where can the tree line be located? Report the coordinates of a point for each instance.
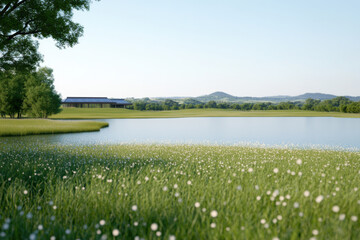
(338, 104)
(31, 93)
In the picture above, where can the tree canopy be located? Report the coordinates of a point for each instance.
(32, 94)
(23, 21)
(41, 99)
(12, 94)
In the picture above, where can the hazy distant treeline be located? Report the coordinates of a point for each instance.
(338, 104)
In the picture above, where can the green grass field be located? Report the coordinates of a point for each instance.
(103, 113)
(177, 192)
(21, 127)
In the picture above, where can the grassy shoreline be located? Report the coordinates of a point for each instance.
(181, 191)
(108, 113)
(22, 127)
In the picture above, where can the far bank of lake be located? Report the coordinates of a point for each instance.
(116, 113)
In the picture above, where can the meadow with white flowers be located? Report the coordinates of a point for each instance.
(177, 192)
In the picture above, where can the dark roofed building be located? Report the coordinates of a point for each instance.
(120, 101)
(94, 102)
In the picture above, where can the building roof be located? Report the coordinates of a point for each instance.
(87, 100)
(120, 101)
(95, 100)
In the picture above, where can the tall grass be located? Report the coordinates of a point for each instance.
(21, 127)
(177, 192)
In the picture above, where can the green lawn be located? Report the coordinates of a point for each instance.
(20, 127)
(177, 192)
(103, 113)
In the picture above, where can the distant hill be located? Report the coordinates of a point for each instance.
(355, 99)
(217, 96)
(224, 97)
(318, 96)
(221, 95)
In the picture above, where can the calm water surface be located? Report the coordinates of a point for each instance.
(267, 131)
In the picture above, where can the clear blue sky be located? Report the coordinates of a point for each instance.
(142, 48)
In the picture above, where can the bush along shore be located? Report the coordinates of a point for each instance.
(177, 192)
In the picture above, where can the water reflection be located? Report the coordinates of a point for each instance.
(299, 131)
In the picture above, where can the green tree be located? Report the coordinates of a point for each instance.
(139, 105)
(210, 104)
(199, 106)
(326, 106)
(12, 95)
(272, 107)
(246, 106)
(23, 20)
(41, 99)
(171, 104)
(222, 105)
(189, 106)
(235, 106)
(341, 103)
(175, 107)
(191, 101)
(19, 56)
(310, 104)
(285, 106)
(261, 106)
(338, 101)
(353, 107)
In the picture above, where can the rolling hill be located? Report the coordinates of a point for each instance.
(225, 97)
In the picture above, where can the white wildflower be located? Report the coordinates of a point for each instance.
(319, 198)
(115, 232)
(335, 209)
(154, 227)
(214, 213)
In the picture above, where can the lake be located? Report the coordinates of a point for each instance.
(323, 132)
